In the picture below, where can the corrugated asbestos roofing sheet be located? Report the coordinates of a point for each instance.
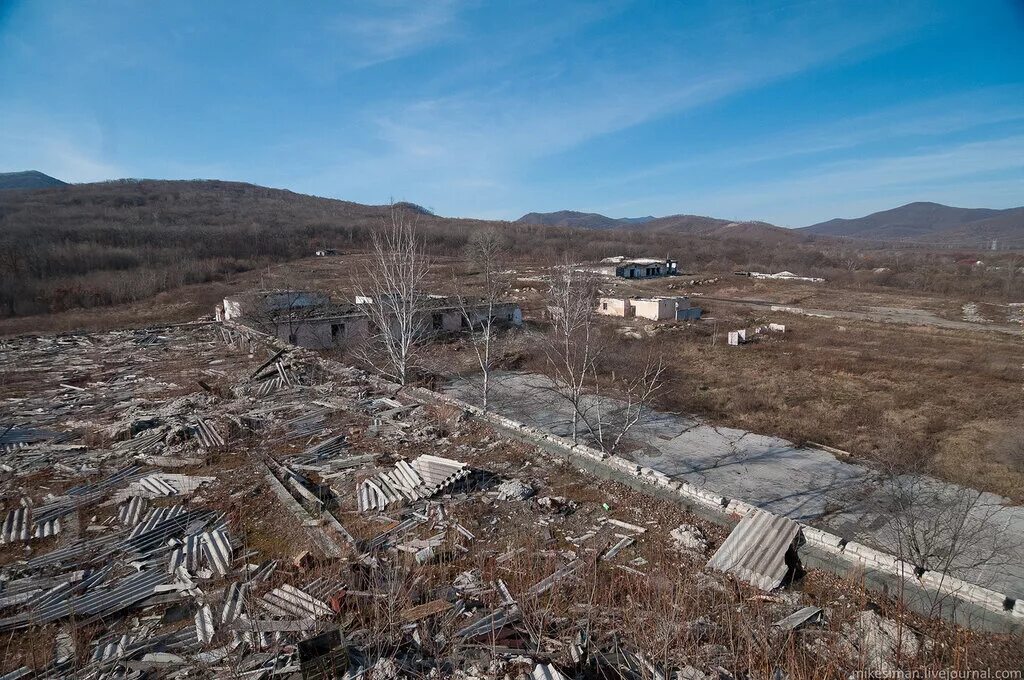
(424, 477)
(755, 551)
(124, 593)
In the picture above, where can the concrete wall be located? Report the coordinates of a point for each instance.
(614, 307)
(640, 271)
(325, 333)
(655, 309)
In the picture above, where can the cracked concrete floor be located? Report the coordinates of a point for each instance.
(803, 483)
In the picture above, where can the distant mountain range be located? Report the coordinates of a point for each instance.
(581, 220)
(924, 223)
(931, 223)
(696, 225)
(28, 179)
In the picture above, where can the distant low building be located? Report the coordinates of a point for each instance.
(633, 268)
(653, 308)
(260, 303)
(324, 324)
(781, 276)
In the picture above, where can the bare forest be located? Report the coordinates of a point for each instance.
(93, 245)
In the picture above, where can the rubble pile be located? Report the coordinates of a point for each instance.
(189, 503)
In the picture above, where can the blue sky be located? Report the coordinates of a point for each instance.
(789, 112)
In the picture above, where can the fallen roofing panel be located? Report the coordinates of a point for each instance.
(204, 624)
(288, 601)
(16, 526)
(130, 513)
(547, 671)
(122, 594)
(755, 551)
(422, 478)
(799, 618)
(218, 551)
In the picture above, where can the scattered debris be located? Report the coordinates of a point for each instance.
(882, 644)
(689, 537)
(800, 618)
(514, 490)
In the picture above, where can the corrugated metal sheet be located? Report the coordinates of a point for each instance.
(86, 494)
(263, 572)
(156, 486)
(217, 548)
(204, 624)
(207, 433)
(233, 603)
(25, 435)
(546, 671)
(111, 647)
(46, 529)
(491, 623)
(325, 449)
(755, 551)
(154, 517)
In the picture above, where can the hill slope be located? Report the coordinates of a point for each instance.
(580, 220)
(90, 245)
(691, 225)
(931, 223)
(28, 179)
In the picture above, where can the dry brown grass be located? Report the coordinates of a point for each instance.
(849, 384)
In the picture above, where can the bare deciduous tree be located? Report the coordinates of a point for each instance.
(486, 251)
(572, 348)
(948, 529)
(283, 311)
(391, 294)
(635, 393)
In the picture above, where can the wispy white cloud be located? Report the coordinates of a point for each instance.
(70, 150)
(497, 125)
(847, 187)
(916, 122)
(390, 30)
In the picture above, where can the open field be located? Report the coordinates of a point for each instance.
(953, 395)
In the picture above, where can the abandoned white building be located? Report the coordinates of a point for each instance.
(654, 308)
(634, 267)
(261, 303)
(326, 324)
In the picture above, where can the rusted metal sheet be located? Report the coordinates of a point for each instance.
(755, 551)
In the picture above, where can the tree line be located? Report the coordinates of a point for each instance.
(93, 245)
